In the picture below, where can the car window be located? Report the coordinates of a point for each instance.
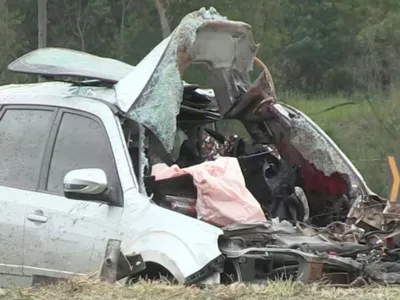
(81, 143)
(23, 138)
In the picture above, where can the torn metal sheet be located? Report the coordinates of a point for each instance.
(156, 85)
(294, 133)
(295, 129)
(318, 148)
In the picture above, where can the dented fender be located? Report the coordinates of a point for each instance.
(181, 244)
(171, 253)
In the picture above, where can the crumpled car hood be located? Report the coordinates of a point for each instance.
(300, 141)
(203, 36)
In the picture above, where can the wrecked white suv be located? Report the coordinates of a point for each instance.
(76, 159)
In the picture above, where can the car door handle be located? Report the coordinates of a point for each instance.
(37, 216)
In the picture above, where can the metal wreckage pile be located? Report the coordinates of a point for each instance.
(322, 222)
(289, 202)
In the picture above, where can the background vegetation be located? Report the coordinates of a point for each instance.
(320, 53)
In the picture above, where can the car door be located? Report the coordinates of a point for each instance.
(64, 236)
(24, 131)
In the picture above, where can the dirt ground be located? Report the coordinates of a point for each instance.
(144, 291)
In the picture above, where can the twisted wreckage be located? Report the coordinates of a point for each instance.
(292, 204)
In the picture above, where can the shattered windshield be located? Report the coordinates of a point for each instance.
(152, 94)
(159, 87)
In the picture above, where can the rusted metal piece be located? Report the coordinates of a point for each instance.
(109, 268)
(368, 211)
(310, 272)
(117, 266)
(260, 90)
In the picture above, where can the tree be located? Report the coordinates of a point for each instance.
(162, 9)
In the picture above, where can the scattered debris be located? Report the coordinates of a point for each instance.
(308, 189)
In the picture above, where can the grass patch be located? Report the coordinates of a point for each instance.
(143, 291)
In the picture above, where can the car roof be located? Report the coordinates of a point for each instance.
(61, 94)
(67, 62)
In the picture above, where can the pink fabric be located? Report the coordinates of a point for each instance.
(222, 196)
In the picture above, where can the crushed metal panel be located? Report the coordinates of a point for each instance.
(310, 264)
(153, 92)
(68, 62)
(318, 148)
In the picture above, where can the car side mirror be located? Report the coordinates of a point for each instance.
(86, 184)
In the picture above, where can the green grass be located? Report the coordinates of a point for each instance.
(144, 291)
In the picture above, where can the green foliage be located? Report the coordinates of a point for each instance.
(310, 46)
(10, 45)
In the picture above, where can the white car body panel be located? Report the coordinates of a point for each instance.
(74, 238)
(76, 231)
(12, 220)
(167, 241)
